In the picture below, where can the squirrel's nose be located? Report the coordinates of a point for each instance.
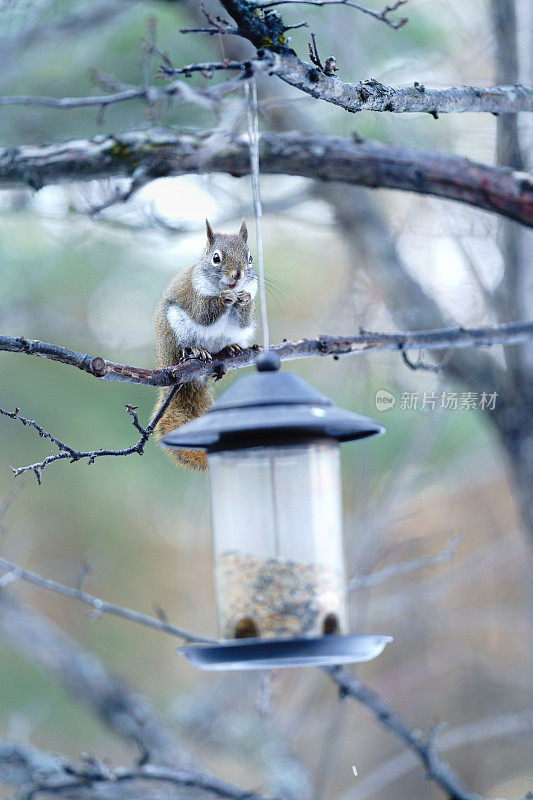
(235, 275)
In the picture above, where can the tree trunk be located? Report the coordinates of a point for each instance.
(513, 414)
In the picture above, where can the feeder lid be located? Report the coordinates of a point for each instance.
(318, 651)
(268, 406)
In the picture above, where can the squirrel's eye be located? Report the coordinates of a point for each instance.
(217, 257)
(250, 259)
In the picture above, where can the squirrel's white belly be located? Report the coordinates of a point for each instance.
(213, 338)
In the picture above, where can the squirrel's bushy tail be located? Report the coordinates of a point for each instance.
(192, 400)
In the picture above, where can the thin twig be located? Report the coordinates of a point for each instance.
(86, 777)
(99, 606)
(420, 364)
(6, 503)
(68, 452)
(383, 15)
(211, 31)
(149, 94)
(139, 180)
(206, 68)
(405, 567)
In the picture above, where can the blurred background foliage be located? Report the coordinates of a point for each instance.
(462, 649)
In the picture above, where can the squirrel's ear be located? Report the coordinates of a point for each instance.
(243, 231)
(210, 234)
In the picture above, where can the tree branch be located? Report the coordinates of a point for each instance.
(422, 746)
(39, 772)
(482, 730)
(85, 678)
(447, 338)
(149, 94)
(14, 572)
(161, 153)
(68, 452)
(403, 567)
(371, 95)
(207, 68)
(383, 16)
(508, 334)
(95, 16)
(266, 31)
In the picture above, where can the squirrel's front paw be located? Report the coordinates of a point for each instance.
(228, 297)
(231, 350)
(188, 353)
(243, 297)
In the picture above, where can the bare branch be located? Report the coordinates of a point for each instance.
(81, 673)
(330, 65)
(210, 31)
(67, 452)
(208, 67)
(405, 567)
(368, 95)
(150, 220)
(39, 772)
(149, 94)
(99, 606)
(161, 153)
(383, 16)
(176, 376)
(508, 334)
(424, 748)
(479, 731)
(421, 745)
(421, 364)
(371, 95)
(96, 15)
(139, 179)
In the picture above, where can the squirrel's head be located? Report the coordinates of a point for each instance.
(226, 262)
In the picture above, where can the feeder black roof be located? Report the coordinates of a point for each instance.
(270, 407)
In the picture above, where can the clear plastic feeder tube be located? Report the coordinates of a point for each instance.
(277, 528)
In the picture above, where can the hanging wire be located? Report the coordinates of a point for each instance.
(250, 88)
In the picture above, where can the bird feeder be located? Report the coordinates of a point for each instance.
(273, 451)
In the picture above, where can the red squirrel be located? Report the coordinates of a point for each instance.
(206, 309)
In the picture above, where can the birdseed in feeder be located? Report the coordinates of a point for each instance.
(270, 598)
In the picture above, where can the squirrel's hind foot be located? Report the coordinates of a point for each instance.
(188, 353)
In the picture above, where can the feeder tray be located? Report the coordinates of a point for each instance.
(319, 651)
